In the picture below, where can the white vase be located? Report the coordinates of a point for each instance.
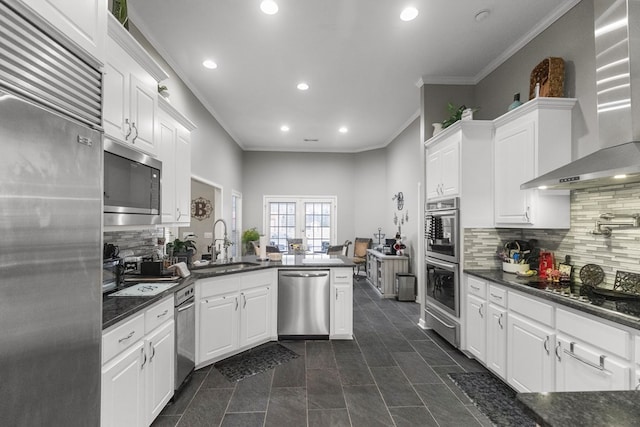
(437, 128)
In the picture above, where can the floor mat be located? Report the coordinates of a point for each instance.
(254, 361)
(494, 398)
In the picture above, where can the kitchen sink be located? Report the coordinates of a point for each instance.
(226, 268)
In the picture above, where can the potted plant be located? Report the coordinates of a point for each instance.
(248, 236)
(455, 114)
(182, 249)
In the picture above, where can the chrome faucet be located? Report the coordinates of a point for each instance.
(225, 243)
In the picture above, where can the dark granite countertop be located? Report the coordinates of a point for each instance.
(540, 288)
(583, 409)
(116, 309)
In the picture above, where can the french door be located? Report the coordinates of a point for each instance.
(312, 219)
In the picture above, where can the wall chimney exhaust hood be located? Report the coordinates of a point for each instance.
(617, 43)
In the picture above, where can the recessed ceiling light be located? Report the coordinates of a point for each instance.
(209, 64)
(302, 86)
(482, 15)
(269, 7)
(284, 128)
(542, 187)
(619, 176)
(409, 14)
(343, 129)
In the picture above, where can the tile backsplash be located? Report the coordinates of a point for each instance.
(141, 242)
(621, 251)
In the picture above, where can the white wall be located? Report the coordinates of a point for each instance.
(353, 178)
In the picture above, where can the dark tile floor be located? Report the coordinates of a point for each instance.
(392, 374)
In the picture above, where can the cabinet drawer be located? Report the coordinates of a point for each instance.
(594, 332)
(257, 279)
(497, 295)
(476, 287)
(158, 314)
(217, 286)
(342, 275)
(122, 336)
(532, 308)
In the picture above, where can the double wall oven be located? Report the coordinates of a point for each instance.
(442, 257)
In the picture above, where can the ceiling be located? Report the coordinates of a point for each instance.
(362, 63)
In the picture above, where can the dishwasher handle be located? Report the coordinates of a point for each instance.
(304, 275)
(187, 306)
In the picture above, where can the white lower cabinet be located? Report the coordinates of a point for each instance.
(581, 367)
(234, 312)
(529, 355)
(138, 370)
(476, 327)
(160, 369)
(123, 400)
(497, 340)
(341, 304)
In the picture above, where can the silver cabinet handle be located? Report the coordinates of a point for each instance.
(164, 313)
(475, 288)
(126, 121)
(496, 296)
(558, 347)
(336, 295)
(127, 337)
(571, 353)
(133, 125)
(236, 303)
(500, 321)
(244, 298)
(144, 362)
(153, 351)
(546, 344)
(480, 310)
(526, 214)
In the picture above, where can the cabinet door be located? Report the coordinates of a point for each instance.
(497, 340)
(115, 108)
(476, 327)
(84, 22)
(142, 115)
(160, 369)
(166, 153)
(582, 370)
(450, 167)
(123, 389)
(218, 334)
(255, 316)
(529, 355)
(183, 177)
(434, 173)
(514, 165)
(341, 311)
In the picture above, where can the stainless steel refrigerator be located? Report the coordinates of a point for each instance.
(50, 230)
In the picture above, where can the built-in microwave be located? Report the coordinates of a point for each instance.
(131, 186)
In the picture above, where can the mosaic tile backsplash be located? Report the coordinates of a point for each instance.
(621, 251)
(141, 242)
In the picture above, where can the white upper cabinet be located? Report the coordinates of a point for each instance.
(174, 150)
(130, 91)
(83, 23)
(530, 141)
(458, 163)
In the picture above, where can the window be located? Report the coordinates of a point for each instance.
(311, 219)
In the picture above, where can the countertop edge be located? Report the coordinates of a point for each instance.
(497, 276)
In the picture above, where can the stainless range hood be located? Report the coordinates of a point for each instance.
(617, 43)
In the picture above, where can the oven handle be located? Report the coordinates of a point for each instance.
(186, 307)
(441, 264)
(437, 213)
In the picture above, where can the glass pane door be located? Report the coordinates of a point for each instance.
(312, 220)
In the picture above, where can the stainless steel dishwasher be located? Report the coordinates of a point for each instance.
(185, 323)
(303, 304)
